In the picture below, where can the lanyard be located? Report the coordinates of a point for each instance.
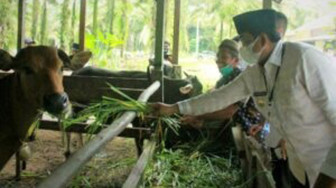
(270, 97)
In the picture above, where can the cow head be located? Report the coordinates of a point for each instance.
(39, 73)
(194, 86)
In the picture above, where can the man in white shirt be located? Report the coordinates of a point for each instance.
(293, 86)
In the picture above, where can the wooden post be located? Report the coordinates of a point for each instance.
(157, 73)
(267, 4)
(21, 24)
(159, 34)
(82, 25)
(176, 31)
(20, 44)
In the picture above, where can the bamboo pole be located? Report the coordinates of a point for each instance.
(20, 39)
(176, 31)
(21, 24)
(137, 171)
(68, 169)
(82, 25)
(157, 73)
(159, 35)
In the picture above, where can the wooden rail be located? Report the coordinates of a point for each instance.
(68, 169)
(87, 89)
(137, 171)
(129, 132)
(253, 160)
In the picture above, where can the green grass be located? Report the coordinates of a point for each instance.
(180, 168)
(109, 107)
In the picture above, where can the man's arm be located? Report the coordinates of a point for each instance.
(221, 98)
(320, 81)
(223, 114)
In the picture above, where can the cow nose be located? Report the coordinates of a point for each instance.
(55, 103)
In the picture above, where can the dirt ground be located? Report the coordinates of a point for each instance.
(108, 168)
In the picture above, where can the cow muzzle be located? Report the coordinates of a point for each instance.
(55, 103)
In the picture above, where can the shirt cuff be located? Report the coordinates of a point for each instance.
(184, 107)
(329, 166)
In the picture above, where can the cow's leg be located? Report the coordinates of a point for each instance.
(67, 152)
(8, 146)
(66, 139)
(80, 139)
(139, 145)
(17, 166)
(22, 156)
(139, 142)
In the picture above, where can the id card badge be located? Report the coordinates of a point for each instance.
(260, 98)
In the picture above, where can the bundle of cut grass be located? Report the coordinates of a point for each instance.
(111, 108)
(182, 169)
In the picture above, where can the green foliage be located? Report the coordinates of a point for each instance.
(80, 181)
(8, 23)
(44, 21)
(64, 31)
(133, 22)
(180, 168)
(35, 18)
(102, 46)
(74, 19)
(112, 108)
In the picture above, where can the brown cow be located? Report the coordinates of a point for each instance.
(36, 84)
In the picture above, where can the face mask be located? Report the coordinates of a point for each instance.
(227, 70)
(248, 55)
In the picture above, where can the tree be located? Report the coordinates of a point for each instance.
(43, 27)
(110, 15)
(124, 23)
(8, 24)
(64, 30)
(95, 17)
(74, 26)
(35, 18)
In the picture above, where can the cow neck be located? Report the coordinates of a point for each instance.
(24, 111)
(5, 98)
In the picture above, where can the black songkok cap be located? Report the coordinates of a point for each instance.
(256, 22)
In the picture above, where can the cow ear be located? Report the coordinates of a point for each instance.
(186, 74)
(186, 89)
(64, 57)
(6, 60)
(80, 59)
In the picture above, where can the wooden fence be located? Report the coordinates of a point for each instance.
(67, 170)
(253, 159)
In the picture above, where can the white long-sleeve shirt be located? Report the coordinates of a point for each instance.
(303, 108)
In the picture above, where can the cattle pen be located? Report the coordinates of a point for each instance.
(84, 90)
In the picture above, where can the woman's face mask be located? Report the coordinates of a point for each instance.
(226, 70)
(225, 62)
(248, 55)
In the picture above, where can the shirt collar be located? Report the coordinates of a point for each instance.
(276, 57)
